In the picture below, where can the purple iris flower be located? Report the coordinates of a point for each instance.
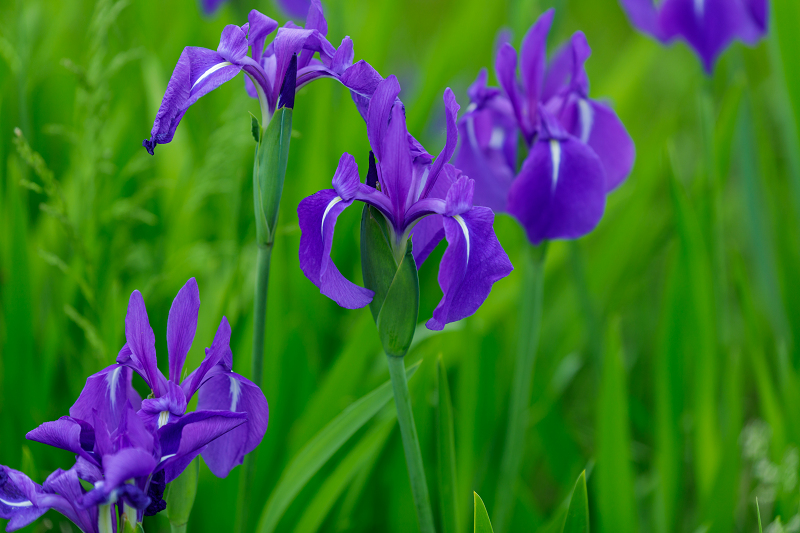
(224, 397)
(418, 196)
(22, 501)
(709, 26)
(200, 70)
(578, 150)
(295, 8)
(210, 6)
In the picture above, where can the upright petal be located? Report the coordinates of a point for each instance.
(533, 59)
(597, 125)
(182, 326)
(451, 114)
(210, 6)
(198, 72)
(260, 27)
(506, 69)
(230, 391)
(142, 344)
(362, 80)
(559, 192)
(218, 353)
(232, 44)
(472, 263)
(566, 69)
(288, 41)
(318, 214)
(394, 163)
(488, 151)
(379, 112)
(106, 393)
(343, 58)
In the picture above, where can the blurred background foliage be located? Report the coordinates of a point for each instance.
(669, 357)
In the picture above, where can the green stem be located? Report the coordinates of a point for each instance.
(247, 473)
(104, 523)
(177, 529)
(405, 417)
(529, 325)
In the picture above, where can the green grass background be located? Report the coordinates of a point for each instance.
(669, 356)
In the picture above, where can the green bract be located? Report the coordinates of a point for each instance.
(395, 306)
(269, 170)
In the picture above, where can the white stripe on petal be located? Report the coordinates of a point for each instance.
(113, 380)
(587, 119)
(699, 8)
(497, 139)
(236, 392)
(211, 71)
(164, 458)
(464, 229)
(555, 154)
(327, 210)
(17, 504)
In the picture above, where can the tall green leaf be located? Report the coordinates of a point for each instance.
(577, 520)
(446, 450)
(482, 522)
(327, 442)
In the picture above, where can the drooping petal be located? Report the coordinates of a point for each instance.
(67, 433)
(218, 353)
(533, 59)
(126, 464)
(559, 192)
(362, 80)
(230, 391)
(379, 112)
(182, 326)
(425, 236)
(141, 345)
(451, 113)
(18, 499)
(472, 263)
(260, 27)
(597, 125)
(317, 215)
(709, 26)
(198, 72)
(184, 440)
(106, 393)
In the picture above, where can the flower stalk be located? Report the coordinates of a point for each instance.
(408, 431)
(529, 326)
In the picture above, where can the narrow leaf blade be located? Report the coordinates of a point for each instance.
(446, 454)
(577, 520)
(482, 522)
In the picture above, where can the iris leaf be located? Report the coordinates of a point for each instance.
(577, 520)
(445, 442)
(482, 522)
(321, 448)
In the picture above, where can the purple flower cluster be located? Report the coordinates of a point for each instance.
(200, 70)
(127, 448)
(578, 149)
(709, 26)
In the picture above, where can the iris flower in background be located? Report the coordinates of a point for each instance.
(293, 8)
(578, 150)
(709, 26)
(418, 196)
(224, 397)
(200, 70)
(22, 501)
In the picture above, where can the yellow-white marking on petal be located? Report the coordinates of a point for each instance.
(236, 392)
(497, 139)
(587, 119)
(327, 210)
(164, 458)
(211, 71)
(113, 380)
(17, 504)
(163, 418)
(555, 154)
(464, 229)
(699, 8)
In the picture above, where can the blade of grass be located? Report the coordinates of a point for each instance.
(367, 448)
(577, 519)
(309, 460)
(482, 522)
(445, 444)
(758, 514)
(615, 494)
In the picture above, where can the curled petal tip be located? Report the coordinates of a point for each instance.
(289, 85)
(150, 146)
